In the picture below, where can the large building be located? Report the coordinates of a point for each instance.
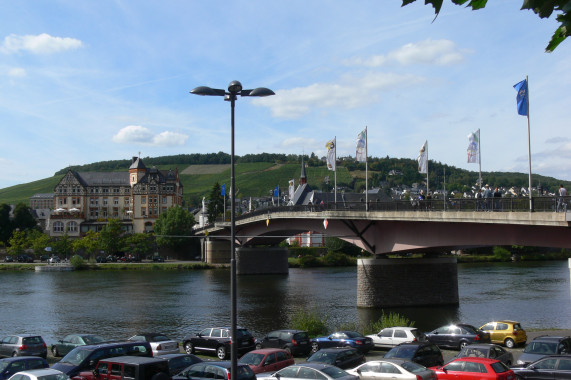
(86, 201)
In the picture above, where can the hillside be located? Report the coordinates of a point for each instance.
(258, 175)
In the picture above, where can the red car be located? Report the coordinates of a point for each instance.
(474, 368)
(267, 360)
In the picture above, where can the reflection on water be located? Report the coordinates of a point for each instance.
(119, 304)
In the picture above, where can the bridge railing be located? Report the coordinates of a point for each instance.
(519, 204)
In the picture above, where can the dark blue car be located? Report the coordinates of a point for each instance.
(343, 339)
(10, 366)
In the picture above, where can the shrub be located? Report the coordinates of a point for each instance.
(387, 320)
(502, 254)
(337, 259)
(311, 321)
(77, 261)
(309, 261)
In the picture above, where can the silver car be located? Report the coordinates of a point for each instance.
(309, 371)
(393, 369)
(23, 345)
(160, 344)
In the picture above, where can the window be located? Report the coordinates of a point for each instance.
(400, 334)
(143, 200)
(216, 333)
(58, 227)
(164, 199)
(116, 201)
(389, 368)
(387, 333)
(502, 326)
(129, 371)
(72, 226)
(126, 201)
(205, 332)
(104, 201)
(116, 369)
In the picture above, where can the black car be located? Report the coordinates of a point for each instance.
(216, 340)
(10, 366)
(8, 259)
(215, 370)
(343, 339)
(424, 353)
(550, 367)
(25, 259)
(341, 357)
(543, 346)
(457, 336)
(178, 362)
(296, 342)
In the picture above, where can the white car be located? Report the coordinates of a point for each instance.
(160, 344)
(40, 374)
(392, 336)
(392, 369)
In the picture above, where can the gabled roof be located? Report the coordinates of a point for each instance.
(137, 163)
(103, 178)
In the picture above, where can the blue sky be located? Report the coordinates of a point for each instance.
(87, 81)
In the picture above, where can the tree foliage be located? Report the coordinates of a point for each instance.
(110, 237)
(5, 224)
(215, 205)
(23, 218)
(139, 244)
(172, 226)
(89, 243)
(542, 8)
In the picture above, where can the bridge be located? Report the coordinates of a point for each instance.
(399, 226)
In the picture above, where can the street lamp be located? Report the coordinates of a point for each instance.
(234, 89)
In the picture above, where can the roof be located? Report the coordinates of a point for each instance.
(549, 338)
(137, 163)
(41, 372)
(266, 350)
(133, 359)
(103, 178)
(20, 358)
(477, 360)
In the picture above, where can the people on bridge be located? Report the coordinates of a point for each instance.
(487, 197)
(479, 202)
(561, 205)
(497, 202)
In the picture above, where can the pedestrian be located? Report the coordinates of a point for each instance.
(429, 200)
(487, 197)
(479, 196)
(561, 205)
(497, 201)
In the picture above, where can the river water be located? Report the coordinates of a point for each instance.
(117, 304)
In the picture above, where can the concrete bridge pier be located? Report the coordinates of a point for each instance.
(249, 260)
(407, 282)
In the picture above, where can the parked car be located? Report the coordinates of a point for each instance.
(343, 339)
(310, 371)
(267, 360)
(487, 350)
(216, 340)
(392, 336)
(9, 366)
(215, 370)
(25, 259)
(158, 259)
(23, 345)
(550, 367)
(160, 343)
(424, 353)
(338, 356)
(474, 368)
(127, 367)
(393, 369)
(457, 336)
(40, 374)
(543, 346)
(508, 333)
(69, 342)
(8, 259)
(44, 258)
(85, 358)
(101, 259)
(54, 259)
(178, 362)
(296, 342)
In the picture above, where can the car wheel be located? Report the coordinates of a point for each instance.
(463, 344)
(258, 346)
(314, 347)
(509, 343)
(188, 348)
(221, 352)
(55, 353)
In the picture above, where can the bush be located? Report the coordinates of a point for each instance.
(337, 259)
(309, 261)
(502, 254)
(387, 320)
(77, 261)
(311, 321)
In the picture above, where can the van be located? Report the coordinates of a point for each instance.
(85, 358)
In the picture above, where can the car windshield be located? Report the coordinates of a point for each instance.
(334, 372)
(543, 348)
(240, 333)
(413, 367)
(157, 338)
(3, 366)
(403, 352)
(245, 372)
(300, 336)
(322, 357)
(352, 334)
(472, 352)
(33, 340)
(470, 329)
(499, 367)
(57, 376)
(76, 356)
(93, 339)
(251, 358)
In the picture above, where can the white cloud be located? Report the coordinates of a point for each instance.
(429, 52)
(351, 92)
(39, 44)
(136, 134)
(557, 140)
(17, 72)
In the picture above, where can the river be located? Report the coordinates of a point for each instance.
(117, 304)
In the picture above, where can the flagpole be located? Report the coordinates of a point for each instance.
(366, 170)
(529, 145)
(427, 169)
(479, 160)
(335, 163)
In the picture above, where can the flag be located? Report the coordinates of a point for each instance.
(361, 155)
(522, 98)
(423, 159)
(331, 149)
(277, 191)
(291, 189)
(474, 147)
(223, 190)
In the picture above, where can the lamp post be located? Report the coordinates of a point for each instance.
(234, 89)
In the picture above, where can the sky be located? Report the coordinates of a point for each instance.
(88, 81)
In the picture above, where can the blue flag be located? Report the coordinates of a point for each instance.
(522, 100)
(277, 191)
(223, 190)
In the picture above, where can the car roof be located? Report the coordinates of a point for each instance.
(390, 360)
(337, 349)
(20, 358)
(289, 331)
(503, 321)
(478, 360)
(133, 359)
(41, 371)
(549, 338)
(318, 366)
(221, 363)
(402, 328)
(109, 344)
(266, 351)
(482, 345)
(147, 334)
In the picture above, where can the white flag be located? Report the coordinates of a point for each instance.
(423, 159)
(331, 154)
(474, 147)
(361, 155)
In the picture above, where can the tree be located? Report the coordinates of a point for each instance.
(63, 246)
(110, 237)
(216, 203)
(18, 243)
(38, 241)
(172, 225)
(5, 224)
(139, 244)
(23, 218)
(542, 8)
(88, 243)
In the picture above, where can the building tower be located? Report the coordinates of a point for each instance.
(136, 171)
